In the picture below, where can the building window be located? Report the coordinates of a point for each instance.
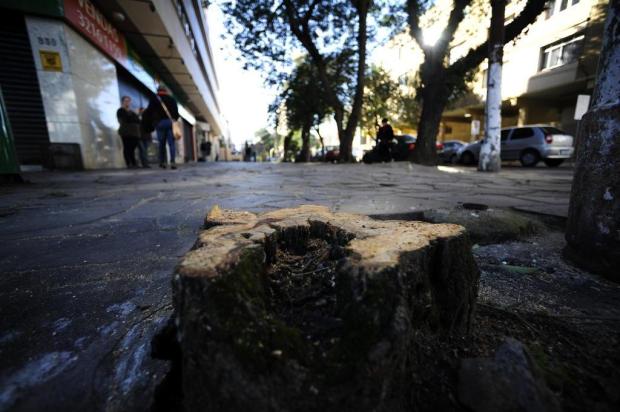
(556, 6)
(559, 54)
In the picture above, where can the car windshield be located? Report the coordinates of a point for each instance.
(407, 138)
(552, 130)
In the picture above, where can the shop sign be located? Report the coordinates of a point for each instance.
(86, 18)
(50, 61)
(475, 127)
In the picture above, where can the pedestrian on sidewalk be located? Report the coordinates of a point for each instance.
(205, 150)
(129, 131)
(159, 115)
(385, 135)
(143, 144)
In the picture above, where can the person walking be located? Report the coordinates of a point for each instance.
(143, 143)
(159, 115)
(129, 131)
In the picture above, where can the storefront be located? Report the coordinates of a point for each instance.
(73, 66)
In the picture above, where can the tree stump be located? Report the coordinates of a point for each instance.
(304, 309)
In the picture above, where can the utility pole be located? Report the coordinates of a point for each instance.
(490, 160)
(593, 227)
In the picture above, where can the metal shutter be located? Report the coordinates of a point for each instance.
(20, 86)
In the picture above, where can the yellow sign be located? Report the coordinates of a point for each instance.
(50, 60)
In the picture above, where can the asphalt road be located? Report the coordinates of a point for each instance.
(86, 258)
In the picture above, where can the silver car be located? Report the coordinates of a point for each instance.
(528, 144)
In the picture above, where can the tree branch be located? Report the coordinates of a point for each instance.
(362, 11)
(302, 32)
(477, 55)
(413, 13)
(456, 16)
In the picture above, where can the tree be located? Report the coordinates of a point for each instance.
(265, 32)
(268, 140)
(594, 214)
(305, 103)
(439, 78)
(381, 99)
(490, 160)
(386, 98)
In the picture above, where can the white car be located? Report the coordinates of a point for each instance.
(528, 144)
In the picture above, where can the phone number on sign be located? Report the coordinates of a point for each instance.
(99, 36)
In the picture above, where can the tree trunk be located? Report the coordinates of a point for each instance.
(343, 335)
(346, 138)
(304, 155)
(593, 227)
(321, 140)
(346, 146)
(287, 144)
(435, 98)
(490, 160)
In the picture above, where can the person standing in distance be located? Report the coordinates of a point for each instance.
(160, 119)
(129, 131)
(385, 134)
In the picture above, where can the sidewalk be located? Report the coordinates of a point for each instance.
(87, 257)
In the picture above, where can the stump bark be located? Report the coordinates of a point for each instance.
(304, 309)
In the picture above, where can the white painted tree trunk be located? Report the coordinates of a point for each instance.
(490, 149)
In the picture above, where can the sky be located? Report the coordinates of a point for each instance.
(243, 96)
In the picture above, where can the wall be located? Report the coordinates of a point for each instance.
(81, 99)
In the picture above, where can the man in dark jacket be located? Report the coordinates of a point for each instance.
(129, 131)
(155, 117)
(385, 135)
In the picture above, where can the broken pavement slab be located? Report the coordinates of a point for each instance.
(302, 308)
(511, 382)
(488, 226)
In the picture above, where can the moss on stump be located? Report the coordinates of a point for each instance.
(304, 309)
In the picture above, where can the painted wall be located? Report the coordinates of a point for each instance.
(81, 99)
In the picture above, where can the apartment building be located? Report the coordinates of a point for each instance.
(66, 64)
(548, 71)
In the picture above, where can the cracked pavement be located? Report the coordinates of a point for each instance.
(87, 257)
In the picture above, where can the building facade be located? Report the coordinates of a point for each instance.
(548, 71)
(67, 63)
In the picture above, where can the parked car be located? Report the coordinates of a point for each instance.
(400, 149)
(402, 146)
(450, 150)
(332, 153)
(528, 144)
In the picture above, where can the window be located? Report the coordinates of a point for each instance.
(552, 130)
(522, 133)
(505, 134)
(564, 52)
(556, 6)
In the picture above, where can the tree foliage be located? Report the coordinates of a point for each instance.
(387, 98)
(333, 33)
(380, 99)
(304, 102)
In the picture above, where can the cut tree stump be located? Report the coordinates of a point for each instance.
(305, 309)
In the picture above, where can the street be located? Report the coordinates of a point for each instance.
(87, 257)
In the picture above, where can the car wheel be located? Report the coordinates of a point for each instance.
(468, 158)
(553, 162)
(529, 158)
